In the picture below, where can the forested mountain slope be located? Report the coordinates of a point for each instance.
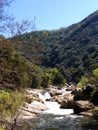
(73, 50)
(15, 71)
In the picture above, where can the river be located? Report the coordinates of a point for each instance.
(61, 119)
(57, 122)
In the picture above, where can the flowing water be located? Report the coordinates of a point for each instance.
(57, 122)
(61, 119)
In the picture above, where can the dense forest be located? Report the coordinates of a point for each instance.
(16, 72)
(72, 50)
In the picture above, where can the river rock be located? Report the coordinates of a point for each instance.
(79, 95)
(55, 92)
(81, 106)
(84, 93)
(33, 105)
(38, 105)
(29, 111)
(32, 95)
(58, 99)
(68, 101)
(88, 89)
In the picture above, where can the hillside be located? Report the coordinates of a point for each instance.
(15, 71)
(73, 50)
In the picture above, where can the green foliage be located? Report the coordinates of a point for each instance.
(83, 82)
(36, 75)
(73, 50)
(54, 77)
(95, 77)
(89, 85)
(79, 85)
(95, 72)
(1, 128)
(91, 78)
(46, 79)
(15, 71)
(58, 79)
(10, 103)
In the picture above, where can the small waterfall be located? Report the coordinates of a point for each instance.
(42, 97)
(53, 107)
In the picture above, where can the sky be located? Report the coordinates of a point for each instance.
(52, 14)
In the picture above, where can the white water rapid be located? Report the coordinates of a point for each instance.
(55, 118)
(53, 107)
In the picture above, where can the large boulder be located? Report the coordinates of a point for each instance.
(81, 106)
(38, 106)
(68, 101)
(84, 93)
(65, 101)
(88, 89)
(58, 99)
(32, 95)
(79, 95)
(95, 98)
(55, 92)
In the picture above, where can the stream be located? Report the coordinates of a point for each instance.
(55, 118)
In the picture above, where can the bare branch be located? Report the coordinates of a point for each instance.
(9, 27)
(12, 28)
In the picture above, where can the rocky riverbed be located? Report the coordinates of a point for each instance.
(65, 97)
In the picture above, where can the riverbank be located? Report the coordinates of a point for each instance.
(49, 118)
(40, 102)
(31, 107)
(61, 100)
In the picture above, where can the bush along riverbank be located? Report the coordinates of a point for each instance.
(19, 107)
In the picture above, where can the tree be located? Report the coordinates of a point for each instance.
(3, 14)
(54, 77)
(10, 103)
(3, 4)
(59, 79)
(9, 26)
(95, 72)
(13, 27)
(83, 82)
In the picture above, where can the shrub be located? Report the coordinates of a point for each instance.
(95, 72)
(1, 128)
(10, 103)
(46, 80)
(58, 79)
(54, 77)
(83, 82)
(36, 77)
